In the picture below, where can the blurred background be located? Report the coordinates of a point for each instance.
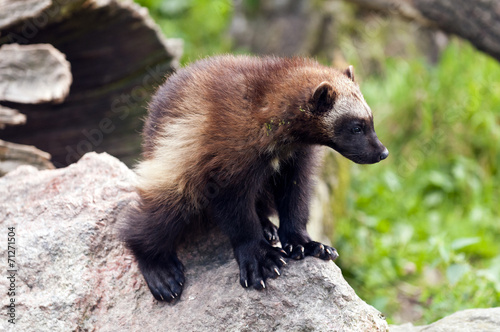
(418, 234)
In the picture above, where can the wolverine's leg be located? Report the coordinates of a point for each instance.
(234, 210)
(152, 234)
(293, 189)
(265, 208)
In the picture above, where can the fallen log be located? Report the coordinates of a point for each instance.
(117, 57)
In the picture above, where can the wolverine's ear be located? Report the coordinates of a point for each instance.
(323, 97)
(349, 72)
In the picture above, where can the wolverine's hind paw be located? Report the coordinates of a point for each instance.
(311, 248)
(165, 278)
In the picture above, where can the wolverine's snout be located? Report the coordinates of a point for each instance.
(384, 154)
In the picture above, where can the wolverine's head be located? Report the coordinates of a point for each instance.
(345, 120)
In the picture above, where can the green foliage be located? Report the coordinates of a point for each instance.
(201, 24)
(423, 226)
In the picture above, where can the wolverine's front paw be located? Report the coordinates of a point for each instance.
(258, 261)
(311, 248)
(165, 278)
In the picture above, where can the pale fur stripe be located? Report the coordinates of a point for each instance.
(176, 149)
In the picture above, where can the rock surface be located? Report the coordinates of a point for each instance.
(73, 274)
(472, 320)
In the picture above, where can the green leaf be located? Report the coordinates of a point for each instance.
(455, 272)
(464, 242)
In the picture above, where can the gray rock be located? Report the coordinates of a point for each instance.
(73, 274)
(472, 320)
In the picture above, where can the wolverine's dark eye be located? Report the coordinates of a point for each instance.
(356, 130)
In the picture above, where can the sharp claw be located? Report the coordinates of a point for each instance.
(282, 261)
(333, 253)
(263, 284)
(246, 284)
(162, 298)
(277, 272)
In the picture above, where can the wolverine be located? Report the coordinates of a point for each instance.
(232, 141)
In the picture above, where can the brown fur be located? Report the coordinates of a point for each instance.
(227, 106)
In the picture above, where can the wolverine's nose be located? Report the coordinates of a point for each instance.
(384, 154)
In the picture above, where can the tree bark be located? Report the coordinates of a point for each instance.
(12, 12)
(13, 155)
(33, 74)
(11, 117)
(478, 21)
